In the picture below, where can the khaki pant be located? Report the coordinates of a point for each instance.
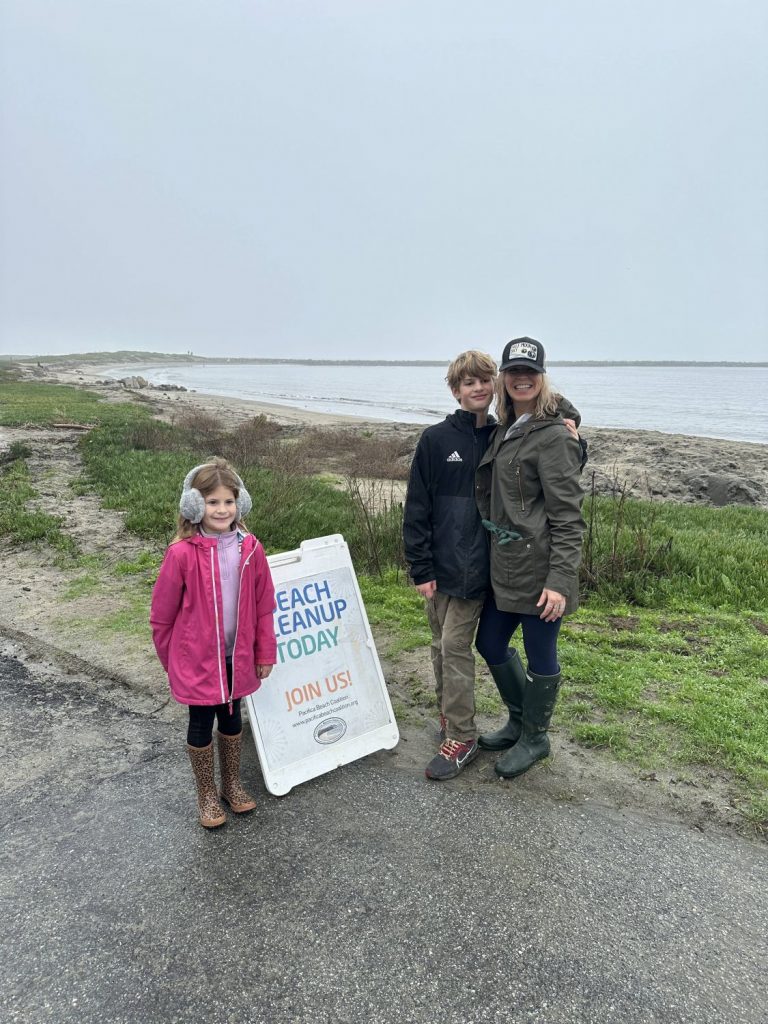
(453, 622)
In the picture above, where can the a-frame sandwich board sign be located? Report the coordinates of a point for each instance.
(325, 702)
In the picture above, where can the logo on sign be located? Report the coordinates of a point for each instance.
(330, 730)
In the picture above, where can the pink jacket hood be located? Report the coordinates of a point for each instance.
(188, 626)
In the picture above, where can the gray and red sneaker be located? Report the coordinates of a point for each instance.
(452, 758)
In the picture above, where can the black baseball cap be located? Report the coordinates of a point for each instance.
(523, 352)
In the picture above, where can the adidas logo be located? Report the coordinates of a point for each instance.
(454, 457)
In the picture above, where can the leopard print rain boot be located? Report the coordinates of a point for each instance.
(211, 812)
(232, 792)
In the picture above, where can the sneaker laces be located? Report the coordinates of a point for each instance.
(451, 749)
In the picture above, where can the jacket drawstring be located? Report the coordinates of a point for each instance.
(504, 535)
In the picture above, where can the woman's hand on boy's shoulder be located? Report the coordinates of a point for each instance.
(570, 426)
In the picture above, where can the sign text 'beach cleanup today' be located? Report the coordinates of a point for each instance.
(299, 610)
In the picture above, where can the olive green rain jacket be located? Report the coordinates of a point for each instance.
(529, 484)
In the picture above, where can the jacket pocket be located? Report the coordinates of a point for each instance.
(513, 566)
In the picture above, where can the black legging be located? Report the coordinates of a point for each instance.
(200, 730)
(201, 716)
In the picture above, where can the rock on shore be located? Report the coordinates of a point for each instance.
(677, 467)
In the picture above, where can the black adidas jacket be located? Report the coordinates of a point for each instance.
(442, 533)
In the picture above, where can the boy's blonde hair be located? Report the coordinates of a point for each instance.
(214, 474)
(546, 404)
(469, 364)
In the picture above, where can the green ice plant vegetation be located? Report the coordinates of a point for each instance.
(396, 607)
(663, 554)
(145, 565)
(664, 665)
(46, 404)
(21, 523)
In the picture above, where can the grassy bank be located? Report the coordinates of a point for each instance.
(47, 404)
(664, 664)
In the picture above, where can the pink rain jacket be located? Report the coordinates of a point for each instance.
(188, 624)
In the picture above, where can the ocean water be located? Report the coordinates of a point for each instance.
(709, 401)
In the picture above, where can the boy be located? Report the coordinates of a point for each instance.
(446, 548)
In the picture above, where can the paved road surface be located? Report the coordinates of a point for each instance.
(367, 895)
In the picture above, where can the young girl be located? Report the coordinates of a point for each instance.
(211, 619)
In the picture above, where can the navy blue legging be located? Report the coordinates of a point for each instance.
(201, 716)
(495, 630)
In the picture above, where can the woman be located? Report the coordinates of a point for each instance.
(529, 497)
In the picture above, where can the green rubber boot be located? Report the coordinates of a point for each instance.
(510, 682)
(533, 745)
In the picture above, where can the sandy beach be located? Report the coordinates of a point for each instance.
(649, 464)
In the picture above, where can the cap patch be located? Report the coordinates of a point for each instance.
(523, 349)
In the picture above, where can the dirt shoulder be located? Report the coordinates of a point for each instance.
(60, 617)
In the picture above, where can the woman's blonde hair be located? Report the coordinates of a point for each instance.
(547, 400)
(214, 474)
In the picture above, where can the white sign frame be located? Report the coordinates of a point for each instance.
(302, 728)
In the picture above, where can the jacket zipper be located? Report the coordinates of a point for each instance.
(526, 435)
(473, 510)
(520, 487)
(237, 624)
(475, 461)
(218, 632)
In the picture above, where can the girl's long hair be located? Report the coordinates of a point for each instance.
(547, 401)
(214, 474)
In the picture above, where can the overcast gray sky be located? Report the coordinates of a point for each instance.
(385, 178)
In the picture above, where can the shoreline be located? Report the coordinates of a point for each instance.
(646, 463)
(91, 376)
(239, 408)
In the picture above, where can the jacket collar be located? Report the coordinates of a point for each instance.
(209, 542)
(467, 420)
(527, 427)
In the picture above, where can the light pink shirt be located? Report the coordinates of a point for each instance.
(228, 551)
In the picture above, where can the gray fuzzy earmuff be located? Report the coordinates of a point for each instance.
(192, 503)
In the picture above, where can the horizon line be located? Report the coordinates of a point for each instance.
(135, 355)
